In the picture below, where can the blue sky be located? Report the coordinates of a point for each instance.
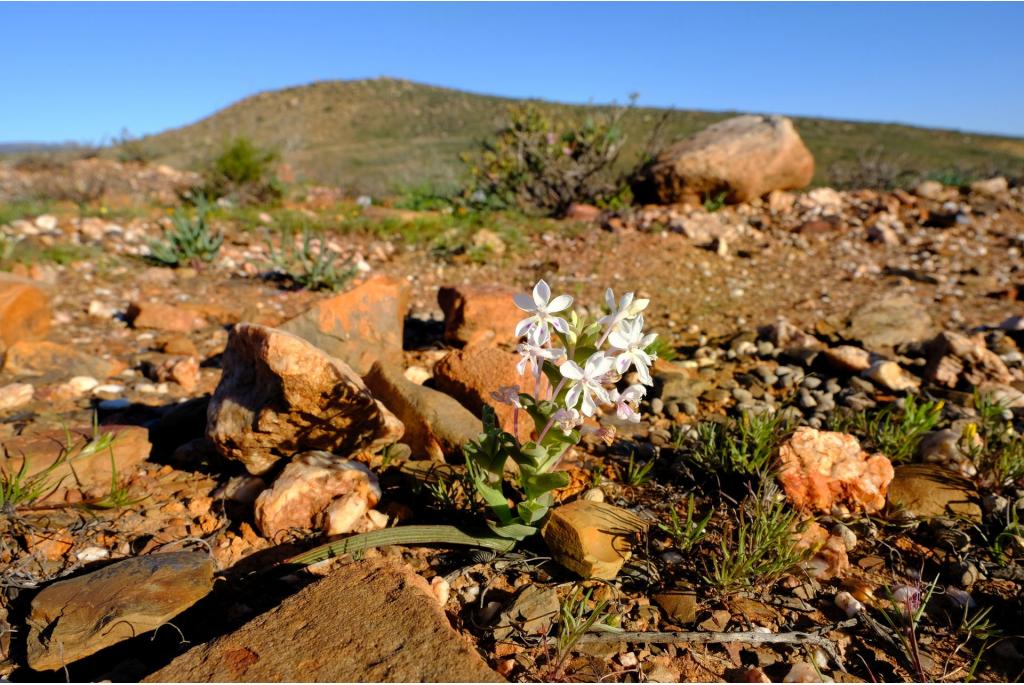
(83, 71)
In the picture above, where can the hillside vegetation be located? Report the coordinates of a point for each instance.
(384, 134)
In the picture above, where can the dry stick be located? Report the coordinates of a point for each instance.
(701, 637)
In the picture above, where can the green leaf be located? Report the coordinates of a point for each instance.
(539, 484)
(514, 531)
(531, 511)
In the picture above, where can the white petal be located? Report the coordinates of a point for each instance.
(601, 394)
(648, 340)
(639, 306)
(524, 302)
(602, 364)
(588, 407)
(617, 340)
(541, 293)
(523, 327)
(627, 300)
(644, 375)
(521, 366)
(573, 396)
(622, 363)
(571, 370)
(609, 298)
(559, 303)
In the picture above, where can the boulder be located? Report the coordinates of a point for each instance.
(72, 619)
(78, 465)
(436, 425)
(317, 490)
(476, 314)
(279, 395)
(591, 539)
(744, 157)
(956, 361)
(24, 310)
(472, 374)
(369, 621)
(830, 472)
(927, 491)
(359, 326)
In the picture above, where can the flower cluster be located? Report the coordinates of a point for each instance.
(587, 358)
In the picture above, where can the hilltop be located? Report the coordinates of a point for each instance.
(382, 134)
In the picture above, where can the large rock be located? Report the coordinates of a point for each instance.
(927, 491)
(279, 395)
(76, 465)
(165, 317)
(592, 539)
(359, 326)
(369, 621)
(744, 157)
(475, 314)
(55, 361)
(889, 321)
(72, 619)
(317, 490)
(436, 425)
(956, 361)
(830, 472)
(472, 374)
(24, 310)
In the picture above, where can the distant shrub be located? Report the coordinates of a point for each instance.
(422, 197)
(310, 266)
(874, 168)
(131, 149)
(190, 240)
(243, 172)
(541, 166)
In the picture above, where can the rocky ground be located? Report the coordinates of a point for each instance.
(172, 435)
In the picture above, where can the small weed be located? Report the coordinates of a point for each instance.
(311, 266)
(576, 618)
(761, 547)
(190, 241)
(243, 171)
(714, 203)
(905, 618)
(1010, 539)
(423, 197)
(895, 433)
(445, 493)
(636, 473)
(999, 453)
(18, 489)
(689, 531)
(120, 495)
(744, 447)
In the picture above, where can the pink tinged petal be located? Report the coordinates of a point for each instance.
(541, 294)
(573, 396)
(523, 327)
(559, 303)
(571, 370)
(524, 302)
(521, 366)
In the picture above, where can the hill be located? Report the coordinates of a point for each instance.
(381, 134)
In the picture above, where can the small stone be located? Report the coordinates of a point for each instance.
(593, 495)
(848, 358)
(956, 361)
(991, 186)
(927, 491)
(53, 360)
(533, 612)
(181, 370)
(46, 222)
(15, 395)
(680, 605)
(71, 619)
(591, 539)
(164, 317)
(892, 376)
(317, 490)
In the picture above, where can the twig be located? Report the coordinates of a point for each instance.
(701, 637)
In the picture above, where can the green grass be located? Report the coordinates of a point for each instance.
(1000, 455)
(638, 473)
(745, 447)
(23, 209)
(313, 267)
(686, 533)
(375, 135)
(894, 432)
(758, 548)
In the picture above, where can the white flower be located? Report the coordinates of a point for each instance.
(628, 308)
(630, 343)
(585, 382)
(627, 403)
(542, 308)
(507, 394)
(567, 419)
(535, 353)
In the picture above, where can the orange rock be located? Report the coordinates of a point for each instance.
(44, 358)
(472, 374)
(827, 471)
(24, 310)
(479, 314)
(360, 326)
(182, 370)
(591, 539)
(181, 346)
(52, 545)
(164, 317)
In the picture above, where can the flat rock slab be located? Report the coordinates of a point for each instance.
(927, 491)
(371, 621)
(888, 322)
(72, 619)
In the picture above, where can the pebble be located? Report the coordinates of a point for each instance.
(657, 405)
(741, 395)
(115, 405)
(811, 382)
(805, 400)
